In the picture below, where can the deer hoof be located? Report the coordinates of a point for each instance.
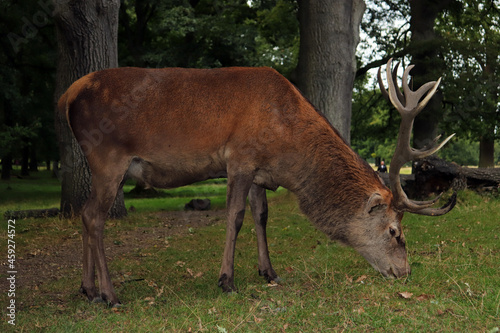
(227, 284)
(270, 275)
(91, 294)
(97, 300)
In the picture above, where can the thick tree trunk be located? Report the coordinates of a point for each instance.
(87, 34)
(428, 66)
(329, 34)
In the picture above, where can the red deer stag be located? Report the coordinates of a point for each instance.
(172, 127)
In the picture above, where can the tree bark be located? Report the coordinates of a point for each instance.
(6, 166)
(487, 140)
(329, 34)
(87, 35)
(428, 66)
(487, 152)
(25, 153)
(33, 164)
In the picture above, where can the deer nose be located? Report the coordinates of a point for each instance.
(400, 272)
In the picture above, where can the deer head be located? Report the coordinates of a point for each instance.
(377, 234)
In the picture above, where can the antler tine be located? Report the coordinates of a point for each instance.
(421, 153)
(381, 85)
(413, 97)
(400, 95)
(394, 78)
(433, 85)
(393, 96)
(407, 91)
(404, 153)
(439, 211)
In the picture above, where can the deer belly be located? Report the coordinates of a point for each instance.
(174, 173)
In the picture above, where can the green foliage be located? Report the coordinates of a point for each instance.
(468, 41)
(214, 33)
(209, 33)
(15, 137)
(472, 90)
(27, 68)
(386, 28)
(374, 126)
(461, 151)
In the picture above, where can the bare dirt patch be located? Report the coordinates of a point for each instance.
(41, 264)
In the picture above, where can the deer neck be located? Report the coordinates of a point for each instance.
(334, 183)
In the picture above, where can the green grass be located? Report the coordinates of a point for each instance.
(170, 283)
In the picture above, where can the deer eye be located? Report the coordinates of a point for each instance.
(392, 231)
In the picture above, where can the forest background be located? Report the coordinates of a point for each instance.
(462, 45)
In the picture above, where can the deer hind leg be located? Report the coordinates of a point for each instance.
(88, 279)
(94, 214)
(237, 192)
(258, 204)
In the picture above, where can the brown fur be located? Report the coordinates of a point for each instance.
(172, 127)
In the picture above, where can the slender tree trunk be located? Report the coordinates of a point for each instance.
(87, 34)
(6, 166)
(487, 141)
(487, 152)
(25, 160)
(329, 34)
(33, 164)
(7, 153)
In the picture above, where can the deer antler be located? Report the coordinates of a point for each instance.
(409, 106)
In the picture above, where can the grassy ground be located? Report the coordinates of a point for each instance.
(167, 282)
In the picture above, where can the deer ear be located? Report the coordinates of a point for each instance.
(375, 203)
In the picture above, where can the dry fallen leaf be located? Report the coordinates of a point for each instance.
(361, 278)
(257, 319)
(272, 283)
(359, 311)
(405, 295)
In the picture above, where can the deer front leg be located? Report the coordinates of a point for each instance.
(258, 204)
(237, 192)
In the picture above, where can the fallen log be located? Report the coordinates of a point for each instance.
(31, 213)
(435, 175)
